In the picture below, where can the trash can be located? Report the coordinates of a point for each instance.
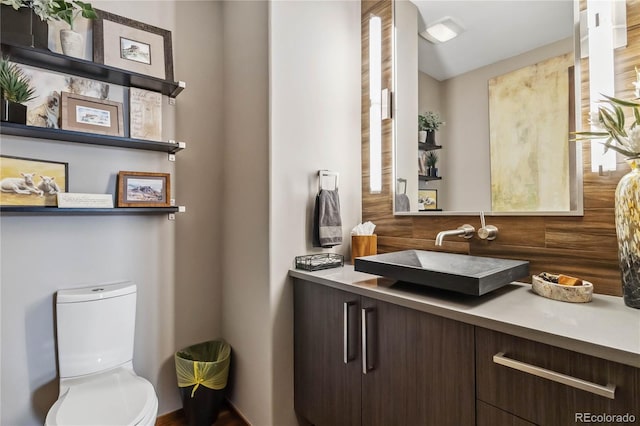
(202, 371)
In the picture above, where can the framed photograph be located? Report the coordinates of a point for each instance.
(91, 115)
(143, 189)
(428, 199)
(145, 114)
(31, 182)
(132, 45)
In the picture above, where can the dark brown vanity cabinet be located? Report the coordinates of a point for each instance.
(360, 361)
(525, 381)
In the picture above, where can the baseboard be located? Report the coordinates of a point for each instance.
(233, 408)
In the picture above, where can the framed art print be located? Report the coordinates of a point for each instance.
(132, 45)
(144, 189)
(31, 182)
(91, 115)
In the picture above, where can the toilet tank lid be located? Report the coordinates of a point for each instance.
(97, 292)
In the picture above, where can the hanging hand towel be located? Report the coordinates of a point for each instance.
(327, 224)
(402, 203)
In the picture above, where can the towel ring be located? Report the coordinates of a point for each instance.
(401, 181)
(327, 173)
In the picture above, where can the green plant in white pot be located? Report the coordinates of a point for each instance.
(71, 41)
(430, 122)
(15, 91)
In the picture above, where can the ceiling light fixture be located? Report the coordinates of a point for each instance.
(442, 30)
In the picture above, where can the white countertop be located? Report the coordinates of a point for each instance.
(605, 328)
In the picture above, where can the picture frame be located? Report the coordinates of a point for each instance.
(30, 182)
(92, 115)
(143, 189)
(145, 114)
(428, 199)
(132, 45)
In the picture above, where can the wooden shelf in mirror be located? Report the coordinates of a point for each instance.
(422, 146)
(14, 129)
(428, 178)
(52, 61)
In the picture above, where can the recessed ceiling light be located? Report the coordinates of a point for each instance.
(442, 30)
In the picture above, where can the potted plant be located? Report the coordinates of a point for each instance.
(15, 89)
(422, 128)
(19, 24)
(609, 123)
(431, 123)
(432, 160)
(71, 41)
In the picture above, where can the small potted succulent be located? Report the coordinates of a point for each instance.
(15, 90)
(432, 160)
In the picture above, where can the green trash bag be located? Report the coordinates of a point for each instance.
(204, 364)
(202, 372)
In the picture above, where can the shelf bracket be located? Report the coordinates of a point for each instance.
(181, 86)
(181, 209)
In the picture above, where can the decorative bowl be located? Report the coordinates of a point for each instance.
(565, 293)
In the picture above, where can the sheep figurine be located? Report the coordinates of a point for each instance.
(20, 185)
(48, 185)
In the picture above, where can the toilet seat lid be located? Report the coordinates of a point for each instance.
(118, 397)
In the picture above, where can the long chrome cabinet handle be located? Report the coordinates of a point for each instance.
(345, 332)
(365, 355)
(607, 391)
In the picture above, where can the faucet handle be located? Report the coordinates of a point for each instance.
(487, 232)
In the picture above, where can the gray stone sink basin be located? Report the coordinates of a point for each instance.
(456, 272)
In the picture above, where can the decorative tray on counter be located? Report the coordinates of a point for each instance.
(315, 262)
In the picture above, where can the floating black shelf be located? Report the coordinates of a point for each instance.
(427, 146)
(427, 178)
(15, 129)
(69, 65)
(430, 210)
(89, 211)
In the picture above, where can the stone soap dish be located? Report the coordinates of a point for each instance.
(565, 293)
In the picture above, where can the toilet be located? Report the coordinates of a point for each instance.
(95, 334)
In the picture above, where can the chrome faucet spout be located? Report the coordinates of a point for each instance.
(465, 231)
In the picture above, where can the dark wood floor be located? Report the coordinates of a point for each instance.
(227, 417)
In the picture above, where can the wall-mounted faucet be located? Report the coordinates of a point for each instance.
(487, 232)
(465, 231)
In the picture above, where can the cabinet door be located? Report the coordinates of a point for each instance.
(389, 382)
(488, 415)
(327, 390)
(421, 368)
(444, 371)
(520, 390)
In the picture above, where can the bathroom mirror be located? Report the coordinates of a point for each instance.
(506, 88)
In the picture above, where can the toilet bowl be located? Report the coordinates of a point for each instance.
(98, 385)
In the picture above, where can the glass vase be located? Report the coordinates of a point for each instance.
(627, 212)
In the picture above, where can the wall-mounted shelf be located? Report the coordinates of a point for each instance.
(88, 138)
(90, 211)
(66, 64)
(422, 146)
(427, 178)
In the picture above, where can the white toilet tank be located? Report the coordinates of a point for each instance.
(95, 327)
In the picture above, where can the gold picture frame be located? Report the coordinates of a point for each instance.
(91, 115)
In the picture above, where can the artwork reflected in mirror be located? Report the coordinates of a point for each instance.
(504, 91)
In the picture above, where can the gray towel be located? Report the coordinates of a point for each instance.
(402, 203)
(327, 223)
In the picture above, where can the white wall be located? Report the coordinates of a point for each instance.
(175, 264)
(315, 124)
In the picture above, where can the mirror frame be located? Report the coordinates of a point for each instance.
(575, 154)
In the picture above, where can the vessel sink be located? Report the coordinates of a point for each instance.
(456, 272)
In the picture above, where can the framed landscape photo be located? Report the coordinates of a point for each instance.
(132, 45)
(31, 182)
(144, 189)
(92, 115)
(428, 199)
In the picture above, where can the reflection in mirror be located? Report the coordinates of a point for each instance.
(506, 88)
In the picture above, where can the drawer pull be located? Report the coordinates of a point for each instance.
(345, 332)
(607, 391)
